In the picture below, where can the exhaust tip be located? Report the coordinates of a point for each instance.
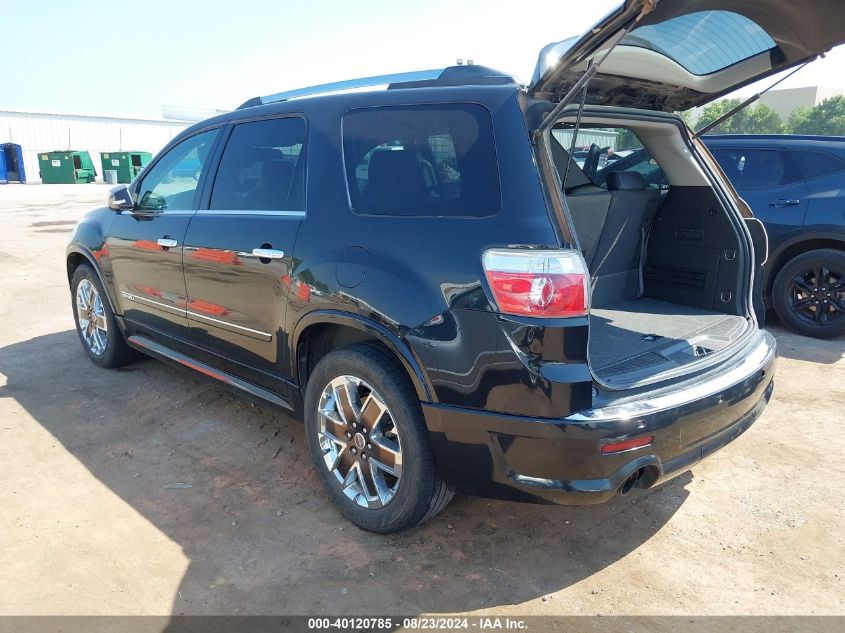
(630, 482)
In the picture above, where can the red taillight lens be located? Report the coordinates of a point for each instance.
(627, 445)
(537, 283)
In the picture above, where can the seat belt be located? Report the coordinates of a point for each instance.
(645, 232)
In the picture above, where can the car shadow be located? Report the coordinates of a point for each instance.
(805, 348)
(230, 481)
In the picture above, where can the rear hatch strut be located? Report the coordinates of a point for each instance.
(741, 106)
(543, 131)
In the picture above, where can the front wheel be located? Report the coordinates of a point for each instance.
(95, 322)
(369, 442)
(809, 293)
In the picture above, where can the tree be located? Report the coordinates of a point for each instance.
(688, 117)
(826, 118)
(626, 139)
(759, 119)
(713, 111)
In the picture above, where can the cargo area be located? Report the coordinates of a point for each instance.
(632, 340)
(664, 255)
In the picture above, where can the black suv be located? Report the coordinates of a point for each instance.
(404, 268)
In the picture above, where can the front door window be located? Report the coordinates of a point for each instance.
(171, 185)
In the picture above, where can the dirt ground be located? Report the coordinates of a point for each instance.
(149, 490)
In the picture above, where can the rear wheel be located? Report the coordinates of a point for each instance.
(809, 293)
(95, 322)
(369, 442)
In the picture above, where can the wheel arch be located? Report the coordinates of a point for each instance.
(76, 256)
(348, 328)
(805, 243)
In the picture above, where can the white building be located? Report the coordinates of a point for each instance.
(587, 136)
(785, 100)
(38, 132)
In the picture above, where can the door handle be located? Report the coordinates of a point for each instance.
(166, 242)
(267, 253)
(782, 202)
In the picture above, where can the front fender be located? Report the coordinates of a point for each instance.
(89, 242)
(91, 259)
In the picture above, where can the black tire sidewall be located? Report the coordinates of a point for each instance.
(780, 292)
(416, 484)
(115, 346)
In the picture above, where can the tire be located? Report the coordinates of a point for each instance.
(339, 443)
(106, 346)
(809, 293)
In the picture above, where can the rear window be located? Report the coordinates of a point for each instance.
(705, 41)
(426, 160)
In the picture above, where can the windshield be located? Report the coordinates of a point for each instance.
(703, 42)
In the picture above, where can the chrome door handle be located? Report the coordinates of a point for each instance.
(784, 203)
(267, 253)
(166, 242)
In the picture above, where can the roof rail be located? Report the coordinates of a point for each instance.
(451, 76)
(349, 84)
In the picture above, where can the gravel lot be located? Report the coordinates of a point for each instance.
(149, 490)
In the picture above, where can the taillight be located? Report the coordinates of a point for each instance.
(537, 283)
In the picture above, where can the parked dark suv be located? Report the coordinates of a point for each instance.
(795, 185)
(403, 268)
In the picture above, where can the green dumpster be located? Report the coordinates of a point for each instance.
(126, 164)
(66, 167)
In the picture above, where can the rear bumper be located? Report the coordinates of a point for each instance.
(560, 460)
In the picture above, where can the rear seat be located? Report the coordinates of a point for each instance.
(609, 225)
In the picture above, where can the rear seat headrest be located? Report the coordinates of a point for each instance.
(626, 181)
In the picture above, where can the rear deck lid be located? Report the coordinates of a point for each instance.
(679, 54)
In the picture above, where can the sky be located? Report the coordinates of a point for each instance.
(132, 58)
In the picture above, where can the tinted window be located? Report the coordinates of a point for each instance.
(171, 185)
(756, 168)
(262, 168)
(705, 41)
(431, 160)
(815, 164)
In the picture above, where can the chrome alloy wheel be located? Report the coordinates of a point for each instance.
(360, 442)
(92, 317)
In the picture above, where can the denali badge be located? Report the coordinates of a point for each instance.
(689, 233)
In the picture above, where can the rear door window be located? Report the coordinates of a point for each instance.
(262, 167)
(422, 160)
(816, 164)
(756, 168)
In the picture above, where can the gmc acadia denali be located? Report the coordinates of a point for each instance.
(419, 270)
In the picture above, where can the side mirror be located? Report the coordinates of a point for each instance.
(120, 199)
